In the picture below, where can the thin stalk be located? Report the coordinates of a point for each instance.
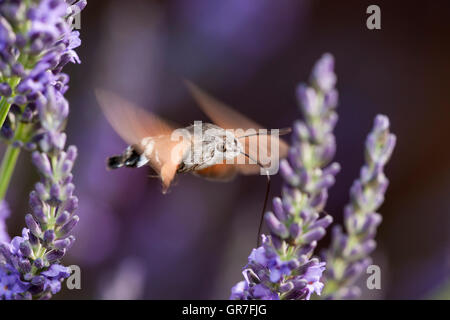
(9, 163)
(4, 105)
(4, 109)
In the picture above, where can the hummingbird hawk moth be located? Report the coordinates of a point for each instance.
(233, 144)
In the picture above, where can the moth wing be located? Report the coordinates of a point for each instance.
(149, 133)
(130, 122)
(221, 114)
(259, 148)
(218, 172)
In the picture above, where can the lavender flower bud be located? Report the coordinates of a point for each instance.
(5, 90)
(38, 281)
(38, 212)
(20, 100)
(32, 225)
(7, 33)
(69, 189)
(55, 255)
(38, 263)
(326, 182)
(25, 248)
(17, 144)
(71, 204)
(275, 225)
(42, 163)
(4, 252)
(55, 193)
(49, 236)
(313, 235)
(301, 133)
(308, 99)
(33, 239)
(323, 223)
(300, 284)
(285, 287)
(62, 218)
(277, 205)
(319, 200)
(41, 191)
(18, 70)
(68, 179)
(66, 167)
(363, 250)
(307, 248)
(25, 266)
(277, 242)
(33, 199)
(323, 73)
(295, 230)
(331, 99)
(372, 221)
(67, 228)
(288, 174)
(62, 244)
(71, 153)
(81, 5)
(71, 240)
(332, 169)
(353, 271)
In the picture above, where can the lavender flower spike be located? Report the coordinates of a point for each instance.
(36, 41)
(283, 267)
(33, 259)
(348, 256)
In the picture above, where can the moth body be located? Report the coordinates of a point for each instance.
(208, 145)
(232, 145)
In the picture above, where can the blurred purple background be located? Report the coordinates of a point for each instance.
(134, 242)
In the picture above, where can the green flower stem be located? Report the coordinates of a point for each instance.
(4, 109)
(4, 105)
(7, 169)
(9, 161)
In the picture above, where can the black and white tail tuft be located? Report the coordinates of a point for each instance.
(129, 158)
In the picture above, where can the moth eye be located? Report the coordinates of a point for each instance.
(221, 147)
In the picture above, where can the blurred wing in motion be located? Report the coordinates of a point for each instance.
(130, 122)
(148, 133)
(258, 147)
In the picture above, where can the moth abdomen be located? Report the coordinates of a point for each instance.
(130, 158)
(115, 162)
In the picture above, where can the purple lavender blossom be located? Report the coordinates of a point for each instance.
(10, 284)
(4, 214)
(348, 256)
(283, 267)
(36, 42)
(35, 255)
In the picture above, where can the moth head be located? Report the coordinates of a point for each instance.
(228, 146)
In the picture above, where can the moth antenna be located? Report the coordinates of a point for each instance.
(281, 132)
(284, 131)
(265, 198)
